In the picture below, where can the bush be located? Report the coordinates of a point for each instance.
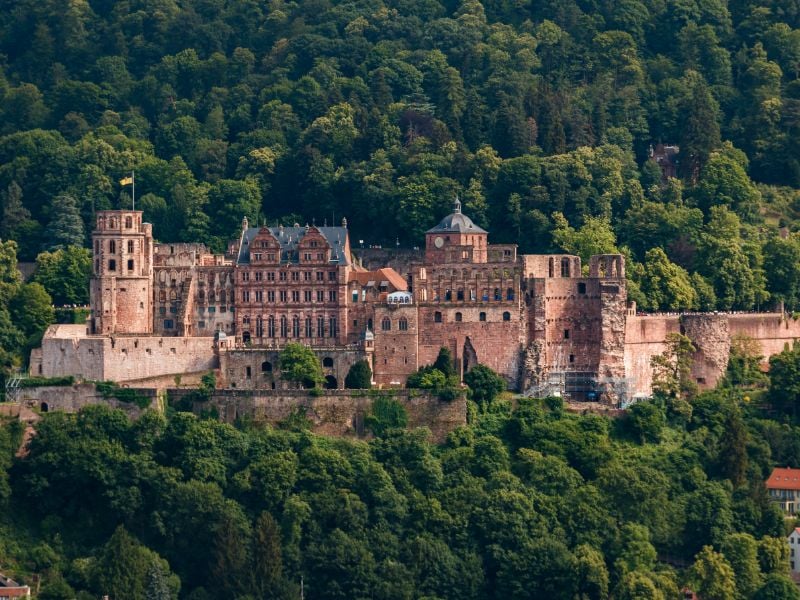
(46, 381)
(484, 384)
(359, 377)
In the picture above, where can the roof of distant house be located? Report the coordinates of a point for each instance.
(784, 479)
(378, 277)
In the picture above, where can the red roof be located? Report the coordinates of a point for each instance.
(784, 479)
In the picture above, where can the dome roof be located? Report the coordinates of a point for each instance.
(456, 222)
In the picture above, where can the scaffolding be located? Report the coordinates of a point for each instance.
(13, 389)
(580, 386)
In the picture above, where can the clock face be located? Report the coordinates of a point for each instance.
(438, 242)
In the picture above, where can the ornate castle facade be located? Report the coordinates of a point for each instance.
(542, 321)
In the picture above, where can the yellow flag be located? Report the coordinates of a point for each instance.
(126, 181)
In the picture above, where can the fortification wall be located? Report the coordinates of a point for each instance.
(774, 332)
(335, 412)
(66, 350)
(72, 398)
(645, 337)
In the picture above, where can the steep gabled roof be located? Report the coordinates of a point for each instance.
(289, 238)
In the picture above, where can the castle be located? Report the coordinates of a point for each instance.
(547, 325)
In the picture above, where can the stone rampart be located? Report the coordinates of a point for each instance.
(72, 398)
(67, 350)
(333, 412)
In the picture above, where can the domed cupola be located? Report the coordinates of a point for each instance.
(456, 239)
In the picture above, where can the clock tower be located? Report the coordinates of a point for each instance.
(456, 239)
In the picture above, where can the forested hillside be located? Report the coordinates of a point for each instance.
(539, 115)
(528, 503)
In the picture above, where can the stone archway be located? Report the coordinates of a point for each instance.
(331, 383)
(44, 407)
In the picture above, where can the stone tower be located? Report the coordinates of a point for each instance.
(121, 287)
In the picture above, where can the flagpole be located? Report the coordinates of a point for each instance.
(133, 188)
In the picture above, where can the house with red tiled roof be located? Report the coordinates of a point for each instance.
(11, 589)
(783, 487)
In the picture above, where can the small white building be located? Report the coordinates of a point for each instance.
(794, 552)
(783, 487)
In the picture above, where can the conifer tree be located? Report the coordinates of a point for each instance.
(66, 226)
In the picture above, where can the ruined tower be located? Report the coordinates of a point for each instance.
(121, 287)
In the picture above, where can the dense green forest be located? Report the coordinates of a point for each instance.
(527, 501)
(538, 114)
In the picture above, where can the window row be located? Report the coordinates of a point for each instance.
(295, 296)
(112, 265)
(283, 327)
(459, 317)
(486, 296)
(287, 276)
(112, 223)
(112, 246)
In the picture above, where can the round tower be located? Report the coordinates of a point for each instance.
(121, 287)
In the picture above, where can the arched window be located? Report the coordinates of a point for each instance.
(271, 326)
(506, 316)
(266, 367)
(510, 294)
(259, 327)
(458, 317)
(128, 222)
(565, 267)
(448, 295)
(437, 317)
(460, 295)
(327, 362)
(402, 324)
(482, 316)
(386, 324)
(284, 327)
(112, 223)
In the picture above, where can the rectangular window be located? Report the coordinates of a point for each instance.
(320, 327)
(211, 309)
(112, 247)
(201, 324)
(257, 256)
(581, 288)
(270, 276)
(307, 276)
(247, 372)
(320, 276)
(162, 310)
(295, 276)
(130, 246)
(259, 276)
(295, 296)
(307, 296)
(320, 296)
(169, 324)
(332, 327)
(283, 295)
(331, 275)
(309, 327)
(307, 256)
(332, 296)
(259, 296)
(282, 276)
(566, 334)
(271, 296)
(130, 265)
(246, 296)
(355, 296)
(112, 265)
(245, 276)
